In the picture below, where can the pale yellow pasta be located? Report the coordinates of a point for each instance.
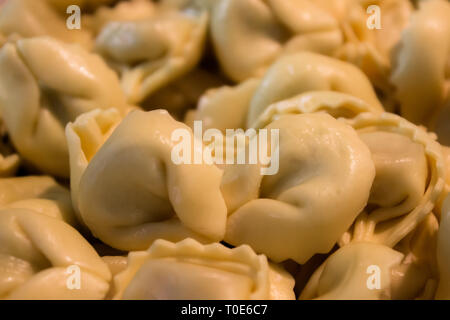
(116, 264)
(446, 189)
(43, 85)
(368, 271)
(15, 189)
(410, 173)
(241, 26)
(344, 274)
(35, 253)
(190, 270)
(417, 276)
(9, 165)
(324, 179)
(225, 149)
(133, 10)
(370, 49)
(132, 193)
(85, 136)
(302, 72)
(421, 70)
(35, 18)
(336, 104)
(41, 194)
(159, 49)
(224, 107)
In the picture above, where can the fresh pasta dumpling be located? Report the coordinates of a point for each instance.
(116, 264)
(417, 276)
(241, 106)
(43, 85)
(190, 270)
(368, 45)
(336, 104)
(85, 136)
(38, 193)
(369, 271)
(410, 173)
(36, 254)
(312, 25)
(159, 49)
(224, 107)
(421, 72)
(301, 72)
(239, 27)
(35, 18)
(344, 274)
(240, 183)
(324, 179)
(132, 192)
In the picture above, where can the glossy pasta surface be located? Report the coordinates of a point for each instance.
(224, 149)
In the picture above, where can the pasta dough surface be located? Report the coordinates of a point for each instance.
(323, 183)
(132, 193)
(189, 270)
(43, 85)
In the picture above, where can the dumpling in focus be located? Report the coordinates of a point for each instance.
(323, 182)
(132, 192)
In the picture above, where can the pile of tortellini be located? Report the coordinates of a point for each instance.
(87, 179)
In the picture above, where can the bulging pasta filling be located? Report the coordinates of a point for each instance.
(224, 149)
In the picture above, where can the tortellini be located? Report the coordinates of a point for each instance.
(43, 85)
(35, 254)
(85, 136)
(225, 149)
(298, 73)
(38, 193)
(133, 10)
(286, 78)
(225, 107)
(132, 193)
(158, 50)
(369, 271)
(410, 173)
(336, 104)
(421, 74)
(370, 35)
(344, 274)
(240, 26)
(190, 270)
(324, 179)
(35, 18)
